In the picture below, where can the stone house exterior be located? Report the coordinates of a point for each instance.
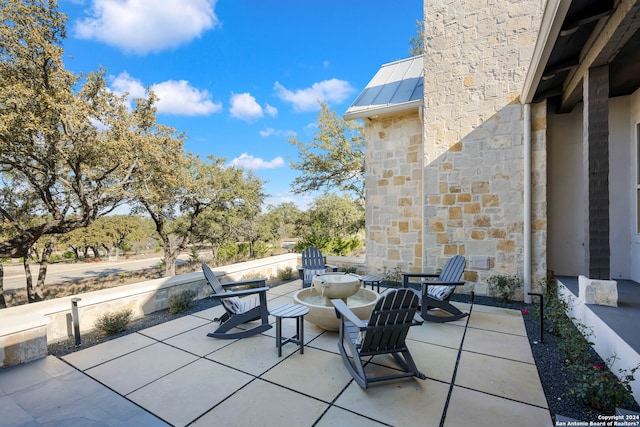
(493, 163)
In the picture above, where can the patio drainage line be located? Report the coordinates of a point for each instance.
(455, 368)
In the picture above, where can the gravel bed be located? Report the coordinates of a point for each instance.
(555, 379)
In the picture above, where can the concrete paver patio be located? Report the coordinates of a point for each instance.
(480, 372)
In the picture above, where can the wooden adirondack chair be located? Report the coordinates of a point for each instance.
(239, 311)
(384, 333)
(437, 290)
(312, 263)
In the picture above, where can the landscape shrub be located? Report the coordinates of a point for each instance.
(181, 301)
(392, 276)
(114, 322)
(503, 286)
(599, 388)
(285, 274)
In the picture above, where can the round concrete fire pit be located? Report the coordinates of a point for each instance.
(324, 315)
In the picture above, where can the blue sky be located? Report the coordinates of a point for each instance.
(240, 76)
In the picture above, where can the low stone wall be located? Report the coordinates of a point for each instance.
(26, 330)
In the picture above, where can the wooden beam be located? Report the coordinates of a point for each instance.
(602, 47)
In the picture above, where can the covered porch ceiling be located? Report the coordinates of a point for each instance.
(577, 35)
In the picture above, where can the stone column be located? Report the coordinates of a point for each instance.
(596, 169)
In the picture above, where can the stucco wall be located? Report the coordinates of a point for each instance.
(634, 121)
(567, 192)
(477, 54)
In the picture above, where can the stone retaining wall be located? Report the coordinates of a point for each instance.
(26, 330)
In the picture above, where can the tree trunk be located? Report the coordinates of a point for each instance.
(44, 263)
(32, 296)
(170, 258)
(3, 303)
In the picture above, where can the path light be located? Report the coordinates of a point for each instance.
(541, 315)
(76, 319)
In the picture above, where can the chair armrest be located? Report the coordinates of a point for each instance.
(332, 268)
(343, 310)
(407, 276)
(252, 283)
(241, 293)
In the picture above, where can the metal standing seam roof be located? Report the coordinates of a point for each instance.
(397, 86)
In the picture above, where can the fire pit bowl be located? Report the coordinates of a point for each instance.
(336, 285)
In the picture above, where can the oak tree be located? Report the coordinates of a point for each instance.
(334, 158)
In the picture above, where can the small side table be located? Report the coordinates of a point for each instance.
(371, 280)
(294, 311)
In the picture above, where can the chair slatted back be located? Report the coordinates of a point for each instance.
(312, 264)
(312, 259)
(390, 321)
(453, 269)
(212, 280)
(232, 304)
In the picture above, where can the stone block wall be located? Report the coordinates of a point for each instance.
(477, 54)
(394, 192)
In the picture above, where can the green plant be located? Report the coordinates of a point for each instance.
(574, 342)
(504, 286)
(113, 322)
(597, 387)
(194, 254)
(392, 275)
(350, 270)
(181, 301)
(555, 315)
(285, 274)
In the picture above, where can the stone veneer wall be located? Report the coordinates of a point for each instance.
(394, 192)
(477, 54)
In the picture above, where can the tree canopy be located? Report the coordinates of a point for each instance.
(333, 159)
(416, 44)
(65, 155)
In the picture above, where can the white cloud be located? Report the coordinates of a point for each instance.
(268, 132)
(245, 107)
(271, 131)
(271, 110)
(250, 162)
(124, 83)
(142, 26)
(174, 97)
(179, 97)
(329, 91)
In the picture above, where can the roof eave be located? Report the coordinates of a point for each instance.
(552, 20)
(384, 110)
